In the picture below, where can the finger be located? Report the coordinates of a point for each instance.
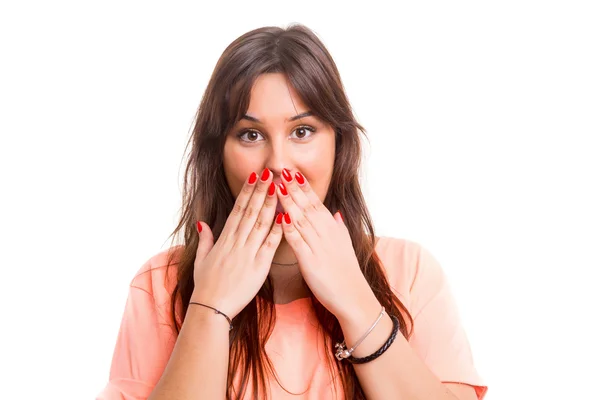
(298, 195)
(305, 227)
(265, 254)
(239, 208)
(294, 238)
(264, 221)
(255, 205)
(206, 240)
(310, 194)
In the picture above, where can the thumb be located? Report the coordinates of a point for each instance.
(206, 242)
(338, 217)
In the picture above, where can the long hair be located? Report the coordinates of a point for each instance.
(298, 53)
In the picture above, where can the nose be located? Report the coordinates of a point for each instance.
(278, 157)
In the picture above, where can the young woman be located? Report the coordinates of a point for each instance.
(281, 289)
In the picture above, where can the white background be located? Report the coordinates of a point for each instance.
(484, 122)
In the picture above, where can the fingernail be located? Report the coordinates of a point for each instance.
(265, 174)
(286, 175)
(198, 226)
(283, 189)
(252, 178)
(271, 189)
(279, 217)
(287, 218)
(341, 215)
(300, 178)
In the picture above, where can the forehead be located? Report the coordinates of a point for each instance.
(272, 97)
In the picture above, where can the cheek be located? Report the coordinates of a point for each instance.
(318, 168)
(238, 164)
(233, 167)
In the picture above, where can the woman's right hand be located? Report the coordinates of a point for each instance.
(229, 273)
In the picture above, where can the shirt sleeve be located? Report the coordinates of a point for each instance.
(143, 348)
(438, 336)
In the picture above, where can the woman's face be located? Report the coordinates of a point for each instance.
(267, 138)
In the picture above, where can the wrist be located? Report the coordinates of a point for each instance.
(373, 343)
(206, 298)
(375, 339)
(358, 313)
(357, 322)
(207, 318)
(208, 311)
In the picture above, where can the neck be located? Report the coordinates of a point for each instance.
(288, 284)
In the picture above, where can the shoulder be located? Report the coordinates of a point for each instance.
(158, 274)
(411, 269)
(438, 336)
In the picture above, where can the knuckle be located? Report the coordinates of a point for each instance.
(249, 213)
(309, 210)
(237, 209)
(269, 242)
(259, 225)
(302, 222)
(269, 201)
(261, 188)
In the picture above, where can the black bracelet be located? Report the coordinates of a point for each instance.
(383, 348)
(216, 312)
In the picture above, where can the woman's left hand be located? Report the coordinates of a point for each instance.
(323, 247)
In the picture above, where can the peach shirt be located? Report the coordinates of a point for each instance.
(145, 340)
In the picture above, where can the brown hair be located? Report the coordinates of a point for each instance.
(298, 53)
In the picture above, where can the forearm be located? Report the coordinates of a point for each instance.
(398, 373)
(198, 365)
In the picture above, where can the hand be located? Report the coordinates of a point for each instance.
(323, 247)
(229, 273)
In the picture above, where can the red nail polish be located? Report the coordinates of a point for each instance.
(279, 217)
(300, 178)
(252, 178)
(265, 174)
(286, 175)
(341, 215)
(198, 226)
(287, 218)
(271, 189)
(283, 189)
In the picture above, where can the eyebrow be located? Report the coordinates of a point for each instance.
(294, 118)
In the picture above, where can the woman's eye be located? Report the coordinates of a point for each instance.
(252, 136)
(249, 136)
(302, 131)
